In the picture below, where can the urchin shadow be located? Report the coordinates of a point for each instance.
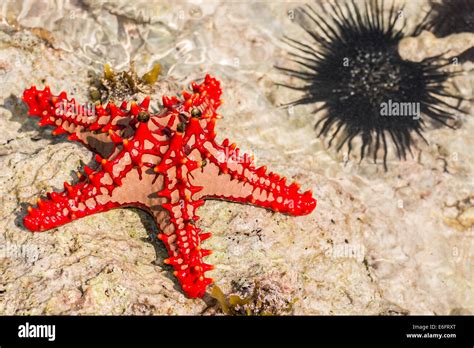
(467, 55)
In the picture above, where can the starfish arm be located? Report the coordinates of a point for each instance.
(74, 202)
(182, 240)
(116, 184)
(180, 235)
(234, 177)
(89, 124)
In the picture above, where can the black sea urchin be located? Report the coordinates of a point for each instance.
(352, 65)
(450, 17)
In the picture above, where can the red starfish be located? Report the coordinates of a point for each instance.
(166, 164)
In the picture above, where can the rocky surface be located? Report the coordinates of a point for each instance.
(396, 242)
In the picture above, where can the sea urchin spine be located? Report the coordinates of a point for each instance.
(352, 65)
